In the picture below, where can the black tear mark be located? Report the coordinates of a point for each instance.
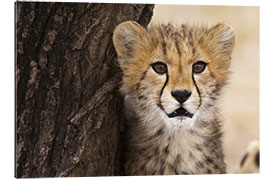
(161, 92)
(244, 159)
(257, 159)
(197, 88)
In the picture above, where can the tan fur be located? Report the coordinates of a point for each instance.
(157, 144)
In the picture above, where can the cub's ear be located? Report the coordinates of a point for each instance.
(128, 36)
(223, 38)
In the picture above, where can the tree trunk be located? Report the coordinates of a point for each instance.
(68, 108)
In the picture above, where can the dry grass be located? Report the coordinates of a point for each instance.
(240, 103)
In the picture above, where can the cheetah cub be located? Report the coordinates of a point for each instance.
(172, 77)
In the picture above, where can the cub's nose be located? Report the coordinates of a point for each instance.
(181, 95)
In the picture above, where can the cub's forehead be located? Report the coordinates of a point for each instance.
(171, 31)
(176, 42)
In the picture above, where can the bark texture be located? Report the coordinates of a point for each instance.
(68, 109)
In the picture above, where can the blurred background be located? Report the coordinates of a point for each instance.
(240, 101)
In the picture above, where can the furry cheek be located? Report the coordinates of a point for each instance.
(208, 87)
(193, 103)
(152, 85)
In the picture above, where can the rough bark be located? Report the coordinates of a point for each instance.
(68, 108)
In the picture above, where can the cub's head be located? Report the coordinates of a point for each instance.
(173, 72)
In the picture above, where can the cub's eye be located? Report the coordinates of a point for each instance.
(159, 67)
(199, 67)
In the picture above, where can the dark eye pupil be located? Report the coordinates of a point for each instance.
(199, 67)
(159, 67)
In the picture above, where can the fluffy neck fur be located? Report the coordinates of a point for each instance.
(155, 145)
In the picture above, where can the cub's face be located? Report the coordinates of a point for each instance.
(173, 72)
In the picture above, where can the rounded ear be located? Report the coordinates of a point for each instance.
(126, 37)
(223, 38)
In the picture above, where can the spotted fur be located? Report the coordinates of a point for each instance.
(157, 144)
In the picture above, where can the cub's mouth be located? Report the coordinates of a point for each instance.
(180, 112)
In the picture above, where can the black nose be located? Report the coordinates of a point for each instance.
(181, 95)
